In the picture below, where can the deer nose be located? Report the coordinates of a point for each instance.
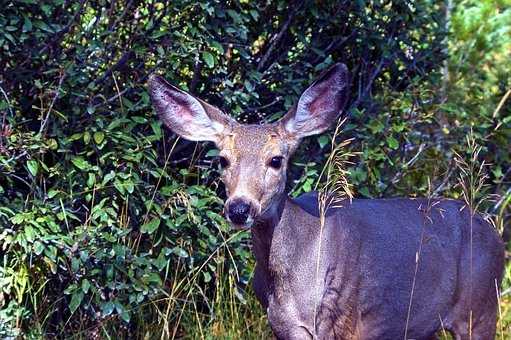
(238, 211)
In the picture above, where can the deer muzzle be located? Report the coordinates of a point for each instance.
(240, 212)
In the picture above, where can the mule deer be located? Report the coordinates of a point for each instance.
(373, 282)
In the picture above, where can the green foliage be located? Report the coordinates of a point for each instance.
(112, 225)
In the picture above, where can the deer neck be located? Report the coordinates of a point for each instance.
(264, 228)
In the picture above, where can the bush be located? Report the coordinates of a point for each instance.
(112, 225)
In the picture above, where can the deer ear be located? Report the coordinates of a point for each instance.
(187, 116)
(320, 104)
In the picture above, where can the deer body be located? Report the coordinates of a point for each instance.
(375, 269)
(367, 266)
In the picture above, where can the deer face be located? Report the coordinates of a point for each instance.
(254, 158)
(254, 161)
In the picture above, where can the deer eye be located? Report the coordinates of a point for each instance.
(276, 162)
(224, 162)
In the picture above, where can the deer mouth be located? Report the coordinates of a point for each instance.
(243, 226)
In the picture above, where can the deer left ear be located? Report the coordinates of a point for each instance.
(187, 116)
(320, 105)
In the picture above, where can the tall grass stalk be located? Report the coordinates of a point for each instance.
(472, 181)
(332, 192)
(426, 216)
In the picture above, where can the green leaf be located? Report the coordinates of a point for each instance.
(76, 300)
(52, 193)
(33, 167)
(150, 226)
(27, 25)
(125, 316)
(129, 186)
(52, 144)
(119, 186)
(91, 180)
(107, 308)
(30, 233)
(108, 177)
(497, 172)
(80, 163)
(86, 137)
(180, 252)
(121, 310)
(208, 58)
(153, 278)
(212, 153)
(85, 286)
(392, 142)
(99, 137)
(323, 140)
(365, 192)
(217, 46)
(38, 248)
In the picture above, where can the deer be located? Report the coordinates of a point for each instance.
(396, 268)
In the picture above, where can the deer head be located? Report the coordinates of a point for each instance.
(254, 158)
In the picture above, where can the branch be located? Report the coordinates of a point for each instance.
(336, 43)
(126, 90)
(369, 85)
(3, 127)
(275, 40)
(120, 63)
(196, 74)
(375, 74)
(58, 35)
(445, 180)
(45, 120)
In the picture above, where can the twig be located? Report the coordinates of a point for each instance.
(501, 103)
(20, 179)
(333, 45)
(120, 63)
(119, 94)
(118, 91)
(265, 106)
(445, 180)
(275, 40)
(13, 159)
(196, 74)
(375, 74)
(45, 120)
(58, 35)
(369, 84)
(398, 175)
(9, 108)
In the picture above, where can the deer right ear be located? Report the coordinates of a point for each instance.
(186, 115)
(320, 105)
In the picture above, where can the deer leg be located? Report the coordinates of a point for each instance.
(298, 333)
(485, 328)
(483, 325)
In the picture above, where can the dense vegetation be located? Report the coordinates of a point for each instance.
(112, 226)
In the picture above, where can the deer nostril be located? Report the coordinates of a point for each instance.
(238, 212)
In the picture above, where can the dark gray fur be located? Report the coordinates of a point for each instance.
(366, 272)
